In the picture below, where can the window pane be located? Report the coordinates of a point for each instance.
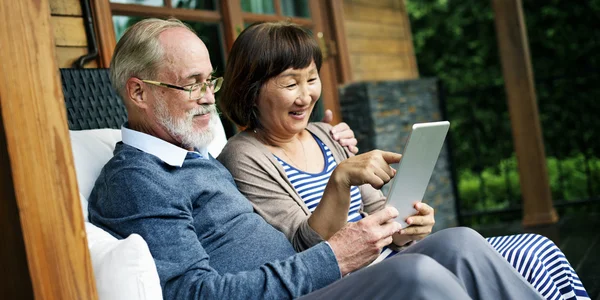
(141, 2)
(195, 4)
(210, 34)
(295, 8)
(264, 7)
(121, 23)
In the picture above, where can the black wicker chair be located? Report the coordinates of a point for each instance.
(90, 99)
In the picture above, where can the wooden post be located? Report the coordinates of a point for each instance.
(105, 32)
(339, 32)
(520, 90)
(42, 195)
(233, 22)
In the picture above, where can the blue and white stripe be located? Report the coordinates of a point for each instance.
(539, 260)
(310, 187)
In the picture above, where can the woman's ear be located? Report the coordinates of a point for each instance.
(136, 93)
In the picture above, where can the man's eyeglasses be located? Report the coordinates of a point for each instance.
(196, 90)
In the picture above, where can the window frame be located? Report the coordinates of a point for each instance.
(229, 14)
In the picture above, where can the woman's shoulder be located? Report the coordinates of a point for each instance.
(323, 132)
(240, 146)
(319, 127)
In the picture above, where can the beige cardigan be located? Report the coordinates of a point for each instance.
(262, 180)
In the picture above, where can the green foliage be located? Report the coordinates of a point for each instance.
(489, 190)
(455, 41)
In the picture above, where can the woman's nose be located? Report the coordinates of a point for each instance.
(304, 98)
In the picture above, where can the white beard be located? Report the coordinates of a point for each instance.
(183, 128)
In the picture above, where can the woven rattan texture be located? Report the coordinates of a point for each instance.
(90, 99)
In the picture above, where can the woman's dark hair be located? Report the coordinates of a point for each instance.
(261, 52)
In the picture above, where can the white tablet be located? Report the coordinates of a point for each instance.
(416, 166)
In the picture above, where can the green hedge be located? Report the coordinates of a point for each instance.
(493, 194)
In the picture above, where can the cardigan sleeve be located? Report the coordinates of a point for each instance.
(269, 192)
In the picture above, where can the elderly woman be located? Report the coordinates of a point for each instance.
(307, 185)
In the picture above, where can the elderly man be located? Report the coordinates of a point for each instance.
(203, 234)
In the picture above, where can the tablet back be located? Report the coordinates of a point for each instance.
(414, 170)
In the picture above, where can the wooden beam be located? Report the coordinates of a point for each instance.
(277, 6)
(527, 135)
(253, 18)
(161, 12)
(68, 31)
(36, 140)
(339, 35)
(233, 22)
(105, 32)
(66, 56)
(65, 8)
(328, 74)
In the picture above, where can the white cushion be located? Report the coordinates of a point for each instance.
(124, 269)
(92, 149)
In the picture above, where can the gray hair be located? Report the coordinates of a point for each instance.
(139, 53)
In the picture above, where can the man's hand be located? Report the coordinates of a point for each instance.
(372, 167)
(359, 243)
(421, 225)
(341, 133)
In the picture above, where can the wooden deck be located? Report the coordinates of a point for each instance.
(577, 234)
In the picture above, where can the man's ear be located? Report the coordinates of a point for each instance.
(136, 92)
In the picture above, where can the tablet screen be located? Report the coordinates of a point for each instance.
(416, 166)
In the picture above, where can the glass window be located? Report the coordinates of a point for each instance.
(195, 4)
(264, 7)
(121, 23)
(140, 2)
(295, 8)
(209, 33)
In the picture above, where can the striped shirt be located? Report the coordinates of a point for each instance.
(310, 186)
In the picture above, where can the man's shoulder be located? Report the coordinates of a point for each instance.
(128, 173)
(127, 159)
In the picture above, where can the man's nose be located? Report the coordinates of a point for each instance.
(207, 98)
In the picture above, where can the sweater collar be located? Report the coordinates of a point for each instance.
(167, 152)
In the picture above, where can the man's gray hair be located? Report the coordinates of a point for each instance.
(139, 53)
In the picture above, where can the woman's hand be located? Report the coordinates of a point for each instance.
(421, 225)
(332, 212)
(342, 133)
(372, 167)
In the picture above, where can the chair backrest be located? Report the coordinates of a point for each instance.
(90, 100)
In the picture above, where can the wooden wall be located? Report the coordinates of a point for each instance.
(379, 40)
(69, 32)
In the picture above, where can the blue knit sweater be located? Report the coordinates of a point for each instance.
(202, 232)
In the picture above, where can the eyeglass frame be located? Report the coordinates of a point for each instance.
(215, 83)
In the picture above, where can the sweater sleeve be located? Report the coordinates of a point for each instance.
(149, 208)
(271, 196)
